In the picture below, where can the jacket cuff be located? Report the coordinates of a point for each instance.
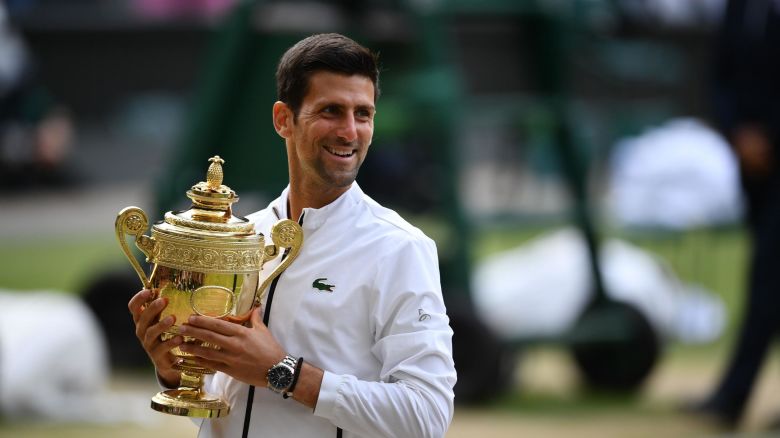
(329, 395)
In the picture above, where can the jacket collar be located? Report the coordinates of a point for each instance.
(313, 218)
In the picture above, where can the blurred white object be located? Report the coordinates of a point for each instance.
(539, 290)
(679, 176)
(675, 13)
(54, 363)
(14, 58)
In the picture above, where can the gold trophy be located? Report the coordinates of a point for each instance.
(205, 262)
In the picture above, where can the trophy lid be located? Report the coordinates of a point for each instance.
(211, 210)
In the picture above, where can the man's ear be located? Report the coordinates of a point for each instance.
(283, 119)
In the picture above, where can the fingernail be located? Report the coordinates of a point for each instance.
(169, 319)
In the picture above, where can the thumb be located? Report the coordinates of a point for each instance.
(255, 319)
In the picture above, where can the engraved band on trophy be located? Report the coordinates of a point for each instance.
(205, 261)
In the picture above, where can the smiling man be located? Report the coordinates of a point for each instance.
(353, 338)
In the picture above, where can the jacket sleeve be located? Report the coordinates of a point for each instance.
(413, 342)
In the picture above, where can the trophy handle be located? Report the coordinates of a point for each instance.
(133, 220)
(285, 234)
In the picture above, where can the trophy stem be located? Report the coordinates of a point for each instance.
(189, 400)
(190, 380)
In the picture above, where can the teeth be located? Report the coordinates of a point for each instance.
(340, 154)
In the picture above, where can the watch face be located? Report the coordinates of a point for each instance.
(280, 377)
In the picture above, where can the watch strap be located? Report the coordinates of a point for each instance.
(296, 374)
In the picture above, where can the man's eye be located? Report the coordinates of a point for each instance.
(364, 114)
(330, 110)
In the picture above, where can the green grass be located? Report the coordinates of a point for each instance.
(63, 264)
(535, 403)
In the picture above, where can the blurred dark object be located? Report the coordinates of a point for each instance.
(16, 7)
(721, 417)
(747, 104)
(403, 173)
(35, 132)
(612, 342)
(107, 296)
(620, 364)
(485, 364)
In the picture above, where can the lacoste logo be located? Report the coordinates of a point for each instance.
(318, 284)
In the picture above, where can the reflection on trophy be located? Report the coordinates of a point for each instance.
(205, 261)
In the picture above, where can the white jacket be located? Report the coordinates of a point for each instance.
(381, 335)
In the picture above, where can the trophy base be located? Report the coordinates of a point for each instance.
(189, 403)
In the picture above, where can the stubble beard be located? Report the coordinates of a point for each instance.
(336, 178)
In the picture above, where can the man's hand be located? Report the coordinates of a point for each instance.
(754, 151)
(245, 353)
(148, 330)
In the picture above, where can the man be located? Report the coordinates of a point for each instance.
(359, 315)
(748, 113)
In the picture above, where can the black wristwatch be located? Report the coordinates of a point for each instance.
(281, 375)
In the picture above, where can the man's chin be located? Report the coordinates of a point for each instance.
(340, 180)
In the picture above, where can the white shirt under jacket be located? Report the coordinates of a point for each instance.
(382, 335)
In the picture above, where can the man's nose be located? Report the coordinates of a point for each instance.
(348, 129)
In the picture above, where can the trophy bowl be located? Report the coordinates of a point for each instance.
(207, 262)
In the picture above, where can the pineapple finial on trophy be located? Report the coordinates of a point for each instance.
(214, 175)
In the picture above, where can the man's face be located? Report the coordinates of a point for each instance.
(329, 140)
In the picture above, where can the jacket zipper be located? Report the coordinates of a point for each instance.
(266, 317)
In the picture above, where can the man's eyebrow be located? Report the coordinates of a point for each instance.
(341, 105)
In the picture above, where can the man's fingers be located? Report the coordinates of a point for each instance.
(207, 353)
(212, 364)
(153, 332)
(150, 314)
(137, 302)
(161, 353)
(220, 326)
(255, 319)
(205, 335)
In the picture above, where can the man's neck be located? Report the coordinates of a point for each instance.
(299, 198)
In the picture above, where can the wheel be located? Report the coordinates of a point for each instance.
(107, 296)
(618, 347)
(485, 365)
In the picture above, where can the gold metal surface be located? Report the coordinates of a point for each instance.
(189, 403)
(133, 221)
(190, 254)
(205, 261)
(284, 234)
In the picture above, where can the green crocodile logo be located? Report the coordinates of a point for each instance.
(318, 284)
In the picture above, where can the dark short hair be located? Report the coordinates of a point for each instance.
(322, 52)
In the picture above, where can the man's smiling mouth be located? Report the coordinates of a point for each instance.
(340, 153)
